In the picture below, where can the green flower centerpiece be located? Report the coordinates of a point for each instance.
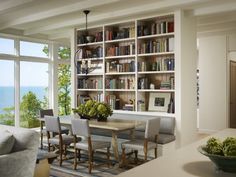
(94, 110)
(222, 154)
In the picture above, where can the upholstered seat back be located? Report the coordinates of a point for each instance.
(80, 127)
(52, 124)
(45, 112)
(152, 127)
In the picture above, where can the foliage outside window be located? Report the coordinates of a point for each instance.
(64, 82)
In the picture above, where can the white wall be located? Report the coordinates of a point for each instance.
(213, 83)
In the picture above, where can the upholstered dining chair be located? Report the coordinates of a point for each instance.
(61, 140)
(48, 112)
(80, 127)
(149, 142)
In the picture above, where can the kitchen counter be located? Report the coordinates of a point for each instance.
(184, 162)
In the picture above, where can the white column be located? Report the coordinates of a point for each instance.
(186, 77)
(53, 77)
(17, 83)
(73, 70)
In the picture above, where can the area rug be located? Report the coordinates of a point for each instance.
(100, 167)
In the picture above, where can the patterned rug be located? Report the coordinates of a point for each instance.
(100, 168)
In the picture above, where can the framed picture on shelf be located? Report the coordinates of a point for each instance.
(159, 102)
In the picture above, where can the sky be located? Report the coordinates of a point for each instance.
(31, 74)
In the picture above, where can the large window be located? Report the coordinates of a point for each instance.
(24, 80)
(33, 92)
(7, 46)
(7, 92)
(33, 49)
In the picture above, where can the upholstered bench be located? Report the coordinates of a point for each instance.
(166, 132)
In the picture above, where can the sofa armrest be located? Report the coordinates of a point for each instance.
(21, 163)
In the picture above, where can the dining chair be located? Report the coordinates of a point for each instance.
(48, 112)
(61, 140)
(149, 142)
(80, 127)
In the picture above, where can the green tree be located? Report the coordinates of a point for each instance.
(29, 108)
(64, 82)
(7, 117)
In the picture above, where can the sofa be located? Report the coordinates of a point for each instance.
(166, 132)
(18, 151)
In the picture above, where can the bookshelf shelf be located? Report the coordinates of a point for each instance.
(121, 56)
(156, 72)
(90, 44)
(93, 90)
(156, 35)
(156, 90)
(137, 55)
(120, 73)
(92, 59)
(95, 74)
(120, 40)
(156, 54)
(162, 114)
(120, 90)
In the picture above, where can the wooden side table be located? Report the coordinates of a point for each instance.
(44, 159)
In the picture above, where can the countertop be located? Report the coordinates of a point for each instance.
(184, 162)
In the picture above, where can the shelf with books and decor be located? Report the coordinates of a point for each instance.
(120, 64)
(156, 64)
(89, 64)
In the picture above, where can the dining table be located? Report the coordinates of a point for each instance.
(115, 126)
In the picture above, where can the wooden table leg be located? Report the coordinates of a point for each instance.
(115, 146)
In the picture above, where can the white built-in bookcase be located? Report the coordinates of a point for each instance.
(148, 44)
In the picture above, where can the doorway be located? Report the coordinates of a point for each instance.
(232, 123)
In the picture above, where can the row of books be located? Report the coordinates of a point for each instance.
(90, 53)
(89, 84)
(157, 45)
(164, 64)
(155, 28)
(116, 33)
(126, 83)
(120, 50)
(98, 37)
(116, 66)
(82, 98)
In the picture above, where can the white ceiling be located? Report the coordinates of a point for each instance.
(54, 19)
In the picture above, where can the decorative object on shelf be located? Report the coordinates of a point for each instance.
(94, 110)
(152, 86)
(222, 154)
(159, 102)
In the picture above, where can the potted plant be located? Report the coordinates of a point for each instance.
(94, 110)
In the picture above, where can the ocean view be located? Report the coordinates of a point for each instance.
(7, 95)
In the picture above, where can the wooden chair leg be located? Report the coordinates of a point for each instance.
(75, 160)
(108, 157)
(136, 156)
(123, 157)
(41, 140)
(79, 155)
(145, 154)
(155, 151)
(90, 161)
(61, 153)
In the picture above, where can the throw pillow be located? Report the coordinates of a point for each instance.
(7, 141)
